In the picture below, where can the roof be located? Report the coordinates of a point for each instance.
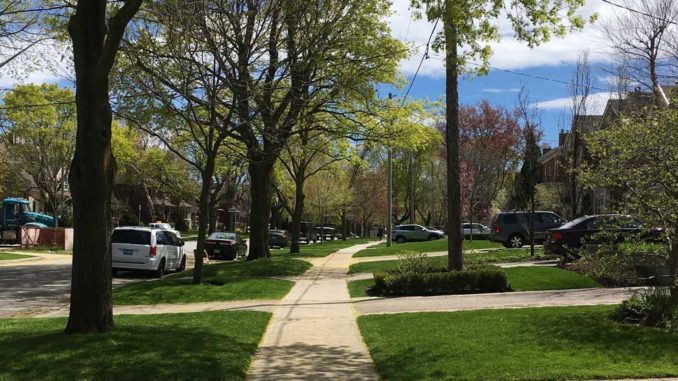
(587, 123)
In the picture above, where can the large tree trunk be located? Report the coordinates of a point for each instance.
(204, 209)
(299, 198)
(261, 178)
(95, 45)
(455, 260)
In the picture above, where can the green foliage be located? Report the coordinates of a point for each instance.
(476, 22)
(536, 278)
(414, 274)
(10, 256)
(570, 343)
(651, 307)
(189, 346)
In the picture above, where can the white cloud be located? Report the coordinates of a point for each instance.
(596, 103)
(501, 91)
(509, 53)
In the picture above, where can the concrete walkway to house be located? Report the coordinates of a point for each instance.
(313, 334)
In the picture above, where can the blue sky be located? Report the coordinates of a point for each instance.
(554, 60)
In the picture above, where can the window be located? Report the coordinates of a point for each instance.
(510, 219)
(466, 226)
(133, 237)
(548, 218)
(161, 239)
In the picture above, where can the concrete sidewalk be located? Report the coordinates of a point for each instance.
(313, 334)
(557, 298)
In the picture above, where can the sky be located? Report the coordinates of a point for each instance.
(554, 60)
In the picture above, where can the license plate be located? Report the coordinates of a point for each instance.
(128, 252)
(217, 251)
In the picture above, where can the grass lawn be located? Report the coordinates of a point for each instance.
(223, 281)
(194, 346)
(520, 278)
(505, 255)
(422, 247)
(318, 250)
(517, 344)
(45, 249)
(8, 256)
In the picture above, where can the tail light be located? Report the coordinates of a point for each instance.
(497, 229)
(152, 251)
(556, 236)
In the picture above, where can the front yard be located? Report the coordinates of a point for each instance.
(9, 256)
(222, 281)
(517, 344)
(422, 247)
(321, 249)
(195, 346)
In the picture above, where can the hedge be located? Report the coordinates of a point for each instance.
(441, 281)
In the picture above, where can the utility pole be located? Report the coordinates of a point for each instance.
(389, 219)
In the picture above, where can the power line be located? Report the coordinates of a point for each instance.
(622, 6)
(423, 57)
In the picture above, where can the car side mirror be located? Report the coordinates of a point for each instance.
(181, 242)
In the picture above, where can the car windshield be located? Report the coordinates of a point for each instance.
(134, 237)
(230, 236)
(574, 222)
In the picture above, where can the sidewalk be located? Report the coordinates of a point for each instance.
(313, 334)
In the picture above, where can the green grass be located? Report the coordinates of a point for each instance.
(521, 279)
(223, 281)
(505, 255)
(45, 249)
(422, 247)
(192, 346)
(10, 256)
(318, 250)
(546, 278)
(517, 344)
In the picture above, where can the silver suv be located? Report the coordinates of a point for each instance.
(513, 228)
(404, 233)
(139, 248)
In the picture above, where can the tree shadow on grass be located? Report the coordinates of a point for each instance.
(313, 362)
(154, 347)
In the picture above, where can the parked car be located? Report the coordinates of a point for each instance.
(225, 245)
(595, 230)
(327, 233)
(512, 228)
(278, 238)
(412, 232)
(147, 249)
(476, 230)
(307, 232)
(164, 226)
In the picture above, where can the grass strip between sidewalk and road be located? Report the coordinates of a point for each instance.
(528, 278)
(11, 256)
(221, 282)
(317, 249)
(422, 247)
(192, 346)
(504, 255)
(563, 343)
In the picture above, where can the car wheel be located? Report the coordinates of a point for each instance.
(400, 239)
(515, 241)
(161, 269)
(182, 265)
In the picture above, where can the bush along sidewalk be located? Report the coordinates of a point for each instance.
(651, 308)
(416, 275)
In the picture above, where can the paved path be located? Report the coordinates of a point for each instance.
(313, 334)
(558, 298)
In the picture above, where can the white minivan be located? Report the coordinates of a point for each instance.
(147, 249)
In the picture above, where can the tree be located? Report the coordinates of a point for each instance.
(639, 154)
(640, 38)
(469, 25)
(96, 31)
(41, 140)
(530, 176)
(490, 140)
(18, 29)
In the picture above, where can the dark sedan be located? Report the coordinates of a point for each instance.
(278, 238)
(594, 230)
(225, 245)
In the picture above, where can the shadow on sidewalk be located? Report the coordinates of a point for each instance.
(312, 362)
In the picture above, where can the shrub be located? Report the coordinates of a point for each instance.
(415, 275)
(129, 219)
(652, 307)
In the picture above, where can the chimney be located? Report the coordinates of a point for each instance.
(562, 137)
